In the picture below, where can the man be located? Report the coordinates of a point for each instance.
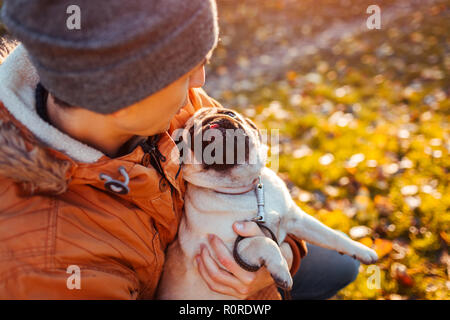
(89, 203)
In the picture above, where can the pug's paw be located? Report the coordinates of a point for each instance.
(364, 254)
(281, 276)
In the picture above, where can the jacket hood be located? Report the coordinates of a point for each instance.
(18, 80)
(36, 170)
(26, 140)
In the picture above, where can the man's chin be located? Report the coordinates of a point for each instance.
(167, 128)
(185, 102)
(164, 129)
(149, 133)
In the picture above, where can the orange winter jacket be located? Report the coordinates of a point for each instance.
(66, 231)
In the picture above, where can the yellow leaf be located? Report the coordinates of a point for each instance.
(367, 241)
(445, 237)
(382, 247)
(291, 75)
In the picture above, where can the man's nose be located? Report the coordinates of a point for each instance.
(197, 79)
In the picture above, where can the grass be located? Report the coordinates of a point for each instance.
(364, 146)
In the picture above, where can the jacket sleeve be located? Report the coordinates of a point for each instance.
(34, 283)
(299, 251)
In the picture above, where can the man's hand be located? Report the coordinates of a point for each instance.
(233, 280)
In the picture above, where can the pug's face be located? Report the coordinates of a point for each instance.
(221, 149)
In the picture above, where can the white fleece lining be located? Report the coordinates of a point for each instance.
(18, 80)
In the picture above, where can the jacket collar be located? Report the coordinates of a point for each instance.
(19, 80)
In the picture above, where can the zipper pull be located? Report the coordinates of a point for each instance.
(155, 150)
(154, 157)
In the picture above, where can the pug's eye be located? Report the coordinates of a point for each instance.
(231, 114)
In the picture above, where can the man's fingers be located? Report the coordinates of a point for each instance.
(219, 280)
(247, 229)
(213, 285)
(217, 274)
(227, 260)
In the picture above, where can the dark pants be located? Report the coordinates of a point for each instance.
(323, 273)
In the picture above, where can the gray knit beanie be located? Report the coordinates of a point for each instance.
(124, 51)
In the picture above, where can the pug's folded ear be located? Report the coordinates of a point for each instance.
(253, 125)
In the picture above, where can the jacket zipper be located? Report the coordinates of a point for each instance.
(150, 147)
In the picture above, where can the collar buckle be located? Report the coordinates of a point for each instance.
(259, 190)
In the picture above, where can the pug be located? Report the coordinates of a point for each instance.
(224, 161)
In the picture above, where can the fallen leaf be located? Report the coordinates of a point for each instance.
(445, 237)
(367, 241)
(382, 247)
(400, 273)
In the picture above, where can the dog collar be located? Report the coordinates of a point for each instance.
(258, 186)
(236, 190)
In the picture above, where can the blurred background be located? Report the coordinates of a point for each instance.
(364, 123)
